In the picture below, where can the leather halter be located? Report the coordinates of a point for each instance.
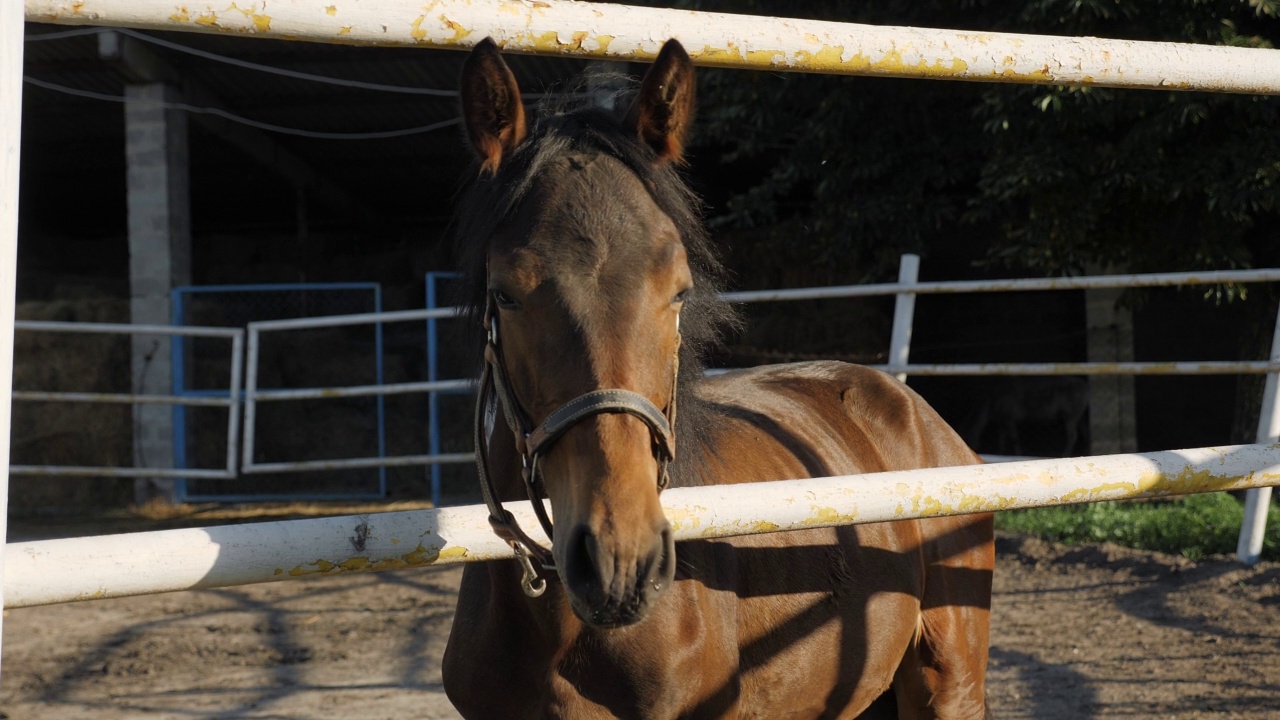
(532, 444)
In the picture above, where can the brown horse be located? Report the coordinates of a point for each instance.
(597, 287)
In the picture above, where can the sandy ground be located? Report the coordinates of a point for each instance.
(1085, 632)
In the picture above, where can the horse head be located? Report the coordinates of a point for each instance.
(585, 274)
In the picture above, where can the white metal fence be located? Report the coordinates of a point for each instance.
(557, 27)
(253, 395)
(906, 288)
(231, 402)
(903, 319)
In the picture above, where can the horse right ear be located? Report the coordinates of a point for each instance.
(491, 106)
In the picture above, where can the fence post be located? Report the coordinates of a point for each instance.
(11, 41)
(1258, 500)
(904, 311)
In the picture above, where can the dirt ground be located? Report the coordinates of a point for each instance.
(1078, 632)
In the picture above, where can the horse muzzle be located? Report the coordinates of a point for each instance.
(611, 583)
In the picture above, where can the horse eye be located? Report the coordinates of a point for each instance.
(681, 296)
(504, 301)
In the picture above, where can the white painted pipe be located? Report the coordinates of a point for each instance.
(1191, 367)
(52, 571)
(620, 32)
(127, 328)
(357, 463)
(1091, 282)
(1258, 500)
(11, 29)
(904, 313)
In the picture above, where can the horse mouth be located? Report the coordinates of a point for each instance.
(601, 596)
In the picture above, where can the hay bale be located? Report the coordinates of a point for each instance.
(48, 433)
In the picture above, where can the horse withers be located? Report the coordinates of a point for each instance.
(596, 285)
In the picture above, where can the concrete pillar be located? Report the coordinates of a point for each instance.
(159, 260)
(1111, 406)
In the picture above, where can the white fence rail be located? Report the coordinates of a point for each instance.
(903, 317)
(620, 32)
(61, 570)
(11, 32)
(52, 571)
(254, 395)
(231, 402)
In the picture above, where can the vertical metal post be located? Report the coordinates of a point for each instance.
(235, 388)
(433, 397)
(381, 399)
(1257, 501)
(904, 312)
(11, 41)
(250, 397)
(177, 361)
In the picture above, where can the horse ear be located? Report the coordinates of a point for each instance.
(663, 110)
(491, 106)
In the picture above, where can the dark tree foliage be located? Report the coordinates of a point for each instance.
(850, 172)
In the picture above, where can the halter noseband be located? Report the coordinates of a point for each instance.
(532, 444)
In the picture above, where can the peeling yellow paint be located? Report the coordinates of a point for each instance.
(892, 64)
(678, 516)
(388, 564)
(420, 556)
(459, 32)
(331, 10)
(345, 30)
(453, 553)
(547, 41)
(355, 563)
(279, 571)
(77, 7)
(977, 503)
(261, 22)
(604, 41)
(181, 16)
(932, 507)
(210, 20)
(761, 57)
(713, 55)
(418, 33)
(830, 516)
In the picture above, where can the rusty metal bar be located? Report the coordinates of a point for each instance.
(53, 571)
(635, 34)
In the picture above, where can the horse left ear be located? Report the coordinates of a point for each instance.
(663, 109)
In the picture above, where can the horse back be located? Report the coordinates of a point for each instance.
(819, 419)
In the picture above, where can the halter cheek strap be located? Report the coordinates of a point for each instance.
(533, 444)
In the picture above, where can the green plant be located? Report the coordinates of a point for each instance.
(1194, 526)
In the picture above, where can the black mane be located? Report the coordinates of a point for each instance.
(487, 200)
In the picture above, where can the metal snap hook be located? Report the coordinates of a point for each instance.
(532, 585)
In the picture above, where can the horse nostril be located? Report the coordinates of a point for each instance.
(662, 558)
(582, 568)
